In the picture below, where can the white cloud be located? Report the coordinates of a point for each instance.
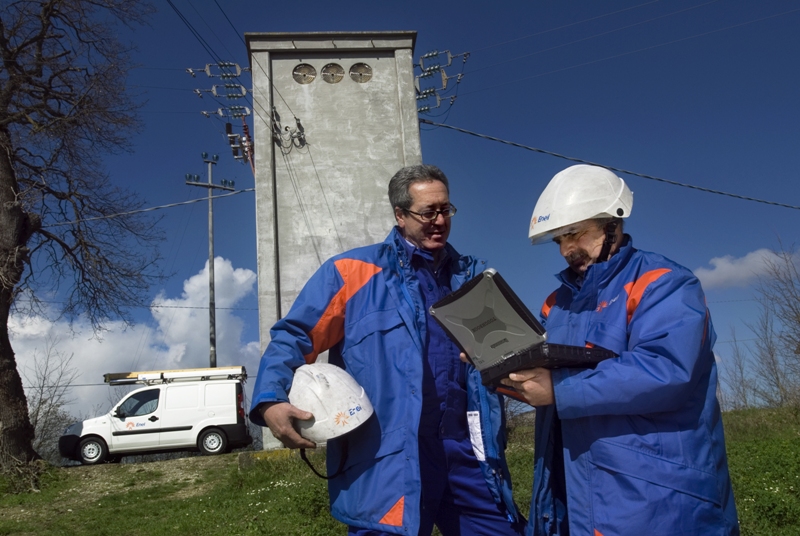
(729, 271)
(178, 337)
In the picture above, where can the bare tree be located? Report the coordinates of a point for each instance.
(48, 382)
(780, 293)
(777, 347)
(515, 408)
(739, 391)
(776, 386)
(63, 104)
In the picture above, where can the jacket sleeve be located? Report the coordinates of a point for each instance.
(314, 324)
(669, 340)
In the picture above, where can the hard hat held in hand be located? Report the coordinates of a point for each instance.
(338, 403)
(576, 194)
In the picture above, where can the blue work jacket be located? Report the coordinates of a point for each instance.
(641, 443)
(365, 308)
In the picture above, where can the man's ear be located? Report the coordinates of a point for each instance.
(400, 217)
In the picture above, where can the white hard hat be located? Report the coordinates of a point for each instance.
(338, 403)
(576, 194)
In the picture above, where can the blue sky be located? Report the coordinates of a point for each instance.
(697, 92)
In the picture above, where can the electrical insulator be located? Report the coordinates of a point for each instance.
(239, 111)
(227, 70)
(229, 91)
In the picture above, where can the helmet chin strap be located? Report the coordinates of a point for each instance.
(611, 238)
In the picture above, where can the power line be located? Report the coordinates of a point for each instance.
(593, 36)
(156, 306)
(325, 198)
(171, 205)
(209, 49)
(211, 30)
(274, 89)
(620, 170)
(195, 33)
(229, 22)
(565, 26)
(67, 386)
(734, 341)
(517, 80)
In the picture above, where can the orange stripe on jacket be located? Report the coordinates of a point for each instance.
(548, 304)
(597, 533)
(330, 327)
(394, 516)
(635, 289)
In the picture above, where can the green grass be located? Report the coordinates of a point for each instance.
(764, 460)
(278, 495)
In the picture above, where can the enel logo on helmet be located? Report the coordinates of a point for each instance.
(540, 219)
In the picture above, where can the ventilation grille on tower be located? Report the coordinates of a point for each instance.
(304, 73)
(332, 73)
(361, 72)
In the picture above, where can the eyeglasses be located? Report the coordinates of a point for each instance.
(573, 232)
(431, 215)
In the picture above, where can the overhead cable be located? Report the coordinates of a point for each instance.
(325, 198)
(109, 216)
(565, 26)
(209, 49)
(212, 30)
(194, 32)
(152, 305)
(584, 64)
(229, 22)
(620, 170)
(601, 34)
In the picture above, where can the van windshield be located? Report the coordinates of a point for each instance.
(140, 403)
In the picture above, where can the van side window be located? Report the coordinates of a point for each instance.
(140, 403)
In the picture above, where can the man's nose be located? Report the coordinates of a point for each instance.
(566, 246)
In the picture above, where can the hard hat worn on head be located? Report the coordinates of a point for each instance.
(576, 194)
(338, 402)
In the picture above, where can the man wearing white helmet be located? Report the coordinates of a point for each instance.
(634, 445)
(433, 450)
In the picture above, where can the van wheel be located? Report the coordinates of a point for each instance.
(212, 441)
(92, 451)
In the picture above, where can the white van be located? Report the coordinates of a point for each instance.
(190, 409)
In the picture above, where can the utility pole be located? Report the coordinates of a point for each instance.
(193, 180)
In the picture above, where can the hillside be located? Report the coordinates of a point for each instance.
(194, 495)
(277, 494)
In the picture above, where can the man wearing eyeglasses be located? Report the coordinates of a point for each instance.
(433, 453)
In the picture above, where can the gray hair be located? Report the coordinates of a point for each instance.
(399, 195)
(602, 222)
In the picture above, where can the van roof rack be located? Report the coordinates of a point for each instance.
(165, 376)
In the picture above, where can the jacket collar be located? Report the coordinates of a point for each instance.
(405, 250)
